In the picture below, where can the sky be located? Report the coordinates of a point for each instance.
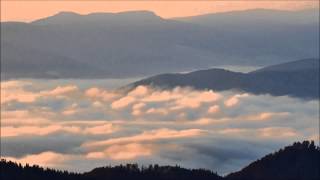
(30, 10)
(82, 125)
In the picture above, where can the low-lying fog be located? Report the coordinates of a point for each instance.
(81, 124)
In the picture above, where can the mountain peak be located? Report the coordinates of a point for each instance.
(66, 13)
(142, 12)
(66, 17)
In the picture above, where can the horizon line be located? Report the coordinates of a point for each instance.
(156, 14)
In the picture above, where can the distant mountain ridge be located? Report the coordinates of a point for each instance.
(256, 15)
(298, 78)
(299, 161)
(65, 18)
(140, 43)
(305, 64)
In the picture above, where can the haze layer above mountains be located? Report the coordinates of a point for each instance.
(107, 45)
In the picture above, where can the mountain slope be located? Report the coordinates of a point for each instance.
(140, 43)
(24, 62)
(259, 16)
(298, 79)
(301, 161)
(305, 64)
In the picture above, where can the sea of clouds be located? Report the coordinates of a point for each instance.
(76, 127)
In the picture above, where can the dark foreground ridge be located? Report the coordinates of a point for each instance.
(298, 79)
(300, 161)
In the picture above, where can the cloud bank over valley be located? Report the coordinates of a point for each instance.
(78, 127)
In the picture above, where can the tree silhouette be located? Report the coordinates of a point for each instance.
(300, 161)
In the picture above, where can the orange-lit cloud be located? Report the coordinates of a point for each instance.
(277, 132)
(61, 90)
(139, 91)
(266, 116)
(234, 100)
(214, 109)
(122, 152)
(152, 135)
(9, 131)
(123, 102)
(100, 94)
(58, 127)
(21, 117)
(136, 109)
(206, 121)
(147, 126)
(268, 132)
(14, 91)
(106, 128)
(194, 99)
(46, 159)
(162, 111)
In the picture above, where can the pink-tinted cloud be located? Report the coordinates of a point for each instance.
(214, 109)
(137, 109)
(122, 152)
(105, 128)
(152, 135)
(122, 102)
(46, 159)
(267, 132)
(139, 91)
(22, 117)
(100, 94)
(60, 90)
(34, 130)
(266, 116)
(234, 100)
(161, 111)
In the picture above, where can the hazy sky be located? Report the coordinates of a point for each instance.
(30, 10)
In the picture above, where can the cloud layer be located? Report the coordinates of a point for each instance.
(67, 124)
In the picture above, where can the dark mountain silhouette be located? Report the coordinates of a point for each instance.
(305, 64)
(141, 43)
(14, 171)
(298, 78)
(156, 172)
(299, 161)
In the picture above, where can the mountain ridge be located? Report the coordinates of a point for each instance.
(299, 161)
(66, 17)
(298, 79)
(139, 44)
